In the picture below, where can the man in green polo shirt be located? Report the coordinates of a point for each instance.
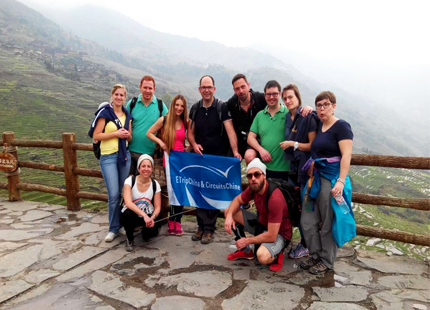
(269, 127)
(145, 113)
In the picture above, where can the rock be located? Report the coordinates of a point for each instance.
(405, 282)
(39, 276)
(34, 215)
(17, 261)
(18, 235)
(96, 264)
(18, 213)
(100, 219)
(77, 258)
(7, 221)
(108, 285)
(178, 302)
(6, 246)
(419, 307)
(84, 228)
(382, 263)
(21, 206)
(345, 251)
(241, 274)
(348, 294)
(263, 295)
(200, 283)
(394, 250)
(372, 241)
(395, 299)
(354, 275)
(12, 288)
(334, 306)
(139, 259)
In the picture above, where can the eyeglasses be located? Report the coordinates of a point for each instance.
(268, 95)
(255, 174)
(206, 87)
(325, 105)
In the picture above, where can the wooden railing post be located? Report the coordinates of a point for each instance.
(72, 180)
(12, 178)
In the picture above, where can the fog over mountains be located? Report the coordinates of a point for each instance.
(382, 121)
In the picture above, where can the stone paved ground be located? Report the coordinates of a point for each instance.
(51, 258)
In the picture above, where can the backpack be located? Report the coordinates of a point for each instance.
(218, 109)
(96, 146)
(292, 197)
(133, 181)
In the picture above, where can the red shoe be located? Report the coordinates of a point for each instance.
(171, 230)
(178, 229)
(240, 255)
(278, 263)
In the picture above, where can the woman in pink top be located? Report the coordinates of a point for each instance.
(172, 138)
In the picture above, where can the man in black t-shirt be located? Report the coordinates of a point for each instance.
(210, 131)
(243, 106)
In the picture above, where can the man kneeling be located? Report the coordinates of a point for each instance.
(270, 226)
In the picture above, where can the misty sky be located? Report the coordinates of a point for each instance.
(383, 32)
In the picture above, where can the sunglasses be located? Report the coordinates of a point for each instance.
(255, 174)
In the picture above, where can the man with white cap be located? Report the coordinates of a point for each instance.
(270, 226)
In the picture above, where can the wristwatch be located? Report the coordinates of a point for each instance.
(296, 145)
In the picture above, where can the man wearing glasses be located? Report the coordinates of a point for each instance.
(270, 226)
(269, 126)
(210, 131)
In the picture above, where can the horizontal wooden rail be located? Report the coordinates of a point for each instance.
(88, 172)
(393, 235)
(422, 204)
(391, 161)
(82, 146)
(40, 166)
(41, 188)
(93, 196)
(38, 143)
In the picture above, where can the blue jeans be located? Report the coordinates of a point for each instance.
(114, 176)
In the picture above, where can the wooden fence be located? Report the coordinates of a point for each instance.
(73, 194)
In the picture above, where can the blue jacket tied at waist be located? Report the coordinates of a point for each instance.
(343, 228)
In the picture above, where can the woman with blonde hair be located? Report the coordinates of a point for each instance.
(174, 125)
(112, 126)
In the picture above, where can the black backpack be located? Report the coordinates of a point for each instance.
(96, 146)
(133, 181)
(292, 197)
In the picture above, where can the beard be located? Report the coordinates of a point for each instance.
(256, 188)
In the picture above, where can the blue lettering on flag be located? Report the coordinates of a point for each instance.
(208, 181)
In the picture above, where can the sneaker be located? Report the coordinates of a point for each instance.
(319, 268)
(308, 263)
(171, 229)
(277, 263)
(299, 252)
(110, 236)
(122, 232)
(240, 255)
(129, 245)
(178, 229)
(197, 235)
(207, 238)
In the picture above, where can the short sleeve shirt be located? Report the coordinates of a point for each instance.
(209, 131)
(326, 144)
(142, 199)
(144, 117)
(278, 210)
(271, 131)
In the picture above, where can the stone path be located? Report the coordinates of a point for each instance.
(51, 258)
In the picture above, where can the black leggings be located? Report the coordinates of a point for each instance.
(131, 220)
(175, 210)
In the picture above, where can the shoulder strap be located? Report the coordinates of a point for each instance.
(272, 187)
(192, 114)
(133, 104)
(160, 106)
(133, 180)
(219, 110)
(154, 188)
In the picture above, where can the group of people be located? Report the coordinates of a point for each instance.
(277, 141)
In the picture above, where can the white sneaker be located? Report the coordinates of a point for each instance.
(122, 231)
(110, 236)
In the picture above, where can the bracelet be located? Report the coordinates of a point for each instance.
(341, 181)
